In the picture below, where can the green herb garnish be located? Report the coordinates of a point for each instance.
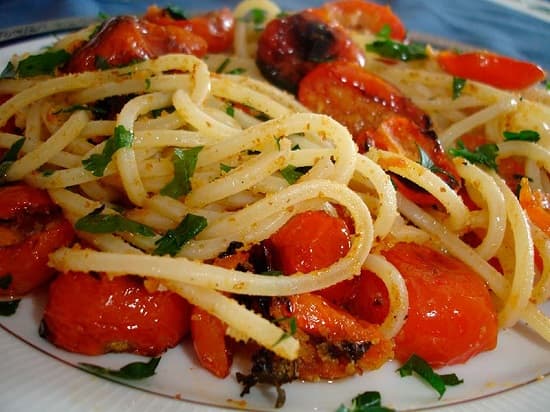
(424, 370)
(102, 15)
(101, 63)
(396, 50)
(369, 401)
(226, 168)
(98, 162)
(158, 112)
(132, 371)
(9, 157)
(237, 70)
(185, 162)
(97, 222)
(174, 239)
(291, 174)
(70, 109)
(147, 83)
(484, 155)
(9, 72)
(524, 135)
(292, 326)
(230, 110)
(427, 162)
(458, 86)
(175, 12)
(272, 273)
(223, 65)
(8, 308)
(255, 16)
(39, 64)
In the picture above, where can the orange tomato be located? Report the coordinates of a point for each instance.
(91, 314)
(536, 204)
(492, 69)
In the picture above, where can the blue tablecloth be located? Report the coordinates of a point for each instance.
(483, 23)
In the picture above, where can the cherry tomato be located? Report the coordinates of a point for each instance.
(371, 301)
(537, 205)
(310, 241)
(208, 334)
(362, 15)
(349, 337)
(92, 315)
(451, 315)
(31, 228)
(215, 27)
(125, 39)
(292, 46)
(492, 69)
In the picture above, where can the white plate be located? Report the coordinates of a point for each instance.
(504, 379)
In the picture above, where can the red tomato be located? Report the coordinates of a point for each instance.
(451, 315)
(208, 334)
(536, 204)
(371, 301)
(125, 39)
(31, 228)
(215, 27)
(310, 241)
(362, 15)
(92, 315)
(292, 46)
(493, 69)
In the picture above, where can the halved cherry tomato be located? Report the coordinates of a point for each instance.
(31, 228)
(209, 341)
(215, 27)
(91, 314)
(493, 69)
(126, 39)
(536, 204)
(292, 46)
(356, 345)
(309, 241)
(360, 15)
(451, 315)
(371, 301)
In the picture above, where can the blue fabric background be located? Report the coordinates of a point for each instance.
(478, 22)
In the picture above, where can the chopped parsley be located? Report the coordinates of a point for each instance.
(132, 371)
(9, 157)
(223, 65)
(101, 63)
(175, 12)
(158, 112)
(292, 328)
(97, 222)
(226, 168)
(174, 239)
(419, 366)
(484, 155)
(98, 162)
(8, 308)
(95, 110)
(523, 135)
(37, 64)
(185, 162)
(102, 15)
(237, 70)
(386, 47)
(230, 110)
(369, 401)
(458, 86)
(255, 16)
(147, 83)
(272, 273)
(427, 162)
(292, 173)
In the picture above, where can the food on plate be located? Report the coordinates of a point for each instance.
(311, 186)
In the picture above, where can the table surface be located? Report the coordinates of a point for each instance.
(518, 28)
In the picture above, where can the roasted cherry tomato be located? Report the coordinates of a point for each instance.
(31, 228)
(489, 68)
(215, 27)
(537, 205)
(451, 315)
(292, 46)
(350, 344)
(359, 15)
(310, 241)
(209, 341)
(92, 315)
(126, 39)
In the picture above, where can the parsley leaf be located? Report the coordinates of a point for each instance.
(38, 64)
(8, 308)
(226, 168)
(98, 162)
(255, 16)
(9, 72)
(230, 110)
(237, 70)
(292, 328)
(424, 370)
(109, 223)
(524, 135)
(95, 110)
(223, 65)
(9, 157)
(175, 12)
(5, 281)
(484, 155)
(272, 273)
(101, 63)
(392, 49)
(174, 239)
(369, 401)
(185, 162)
(427, 162)
(458, 85)
(132, 371)
(292, 173)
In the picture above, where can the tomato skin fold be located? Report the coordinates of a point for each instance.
(492, 69)
(93, 315)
